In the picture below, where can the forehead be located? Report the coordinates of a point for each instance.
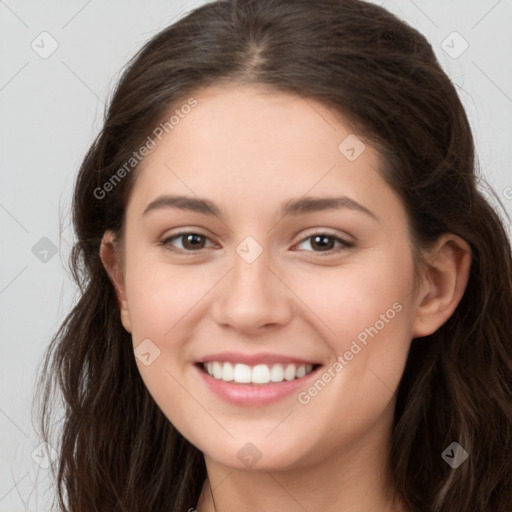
(252, 145)
(259, 118)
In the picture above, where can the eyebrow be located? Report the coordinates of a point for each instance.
(291, 207)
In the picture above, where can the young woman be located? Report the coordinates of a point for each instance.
(293, 294)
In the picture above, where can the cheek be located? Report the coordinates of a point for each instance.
(345, 299)
(351, 298)
(160, 295)
(166, 304)
(368, 309)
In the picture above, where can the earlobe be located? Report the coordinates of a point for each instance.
(445, 278)
(112, 261)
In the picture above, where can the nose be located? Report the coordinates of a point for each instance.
(252, 297)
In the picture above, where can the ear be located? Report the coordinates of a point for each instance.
(445, 277)
(110, 253)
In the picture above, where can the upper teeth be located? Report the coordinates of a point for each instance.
(259, 374)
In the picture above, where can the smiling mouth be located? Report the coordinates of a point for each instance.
(260, 374)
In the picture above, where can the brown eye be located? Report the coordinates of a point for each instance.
(190, 241)
(194, 242)
(324, 242)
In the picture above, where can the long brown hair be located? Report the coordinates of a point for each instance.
(117, 450)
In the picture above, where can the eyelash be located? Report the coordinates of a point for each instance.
(345, 244)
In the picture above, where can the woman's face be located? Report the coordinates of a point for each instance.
(272, 276)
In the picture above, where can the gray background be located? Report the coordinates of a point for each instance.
(51, 108)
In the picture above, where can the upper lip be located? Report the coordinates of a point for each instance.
(253, 359)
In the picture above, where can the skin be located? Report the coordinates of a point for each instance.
(248, 150)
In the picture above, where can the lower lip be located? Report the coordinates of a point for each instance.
(255, 394)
